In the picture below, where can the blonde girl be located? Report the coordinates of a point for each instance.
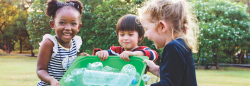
(171, 25)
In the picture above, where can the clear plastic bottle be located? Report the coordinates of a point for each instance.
(124, 78)
(135, 79)
(91, 77)
(95, 66)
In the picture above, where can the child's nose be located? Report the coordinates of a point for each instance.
(126, 37)
(67, 27)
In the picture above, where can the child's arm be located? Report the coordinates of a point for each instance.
(43, 59)
(140, 51)
(152, 54)
(125, 54)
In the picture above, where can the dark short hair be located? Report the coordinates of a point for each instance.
(130, 22)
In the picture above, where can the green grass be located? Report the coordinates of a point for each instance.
(18, 70)
(223, 77)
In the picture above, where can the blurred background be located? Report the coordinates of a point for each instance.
(222, 57)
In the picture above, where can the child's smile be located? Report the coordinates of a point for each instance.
(67, 35)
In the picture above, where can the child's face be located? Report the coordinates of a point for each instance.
(66, 24)
(152, 33)
(128, 39)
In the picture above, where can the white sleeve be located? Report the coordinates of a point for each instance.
(78, 42)
(52, 38)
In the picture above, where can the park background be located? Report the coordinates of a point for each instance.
(222, 57)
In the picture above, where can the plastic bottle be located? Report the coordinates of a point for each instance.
(92, 77)
(124, 78)
(135, 79)
(95, 66)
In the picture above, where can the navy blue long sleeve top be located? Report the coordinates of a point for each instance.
(177, 65)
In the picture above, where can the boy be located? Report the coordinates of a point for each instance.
(130, 34)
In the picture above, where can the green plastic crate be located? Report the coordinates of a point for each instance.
(112, 61)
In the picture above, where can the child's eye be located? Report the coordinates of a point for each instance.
(73, 23)
(131, 34)
(61, 22)
(121, 34)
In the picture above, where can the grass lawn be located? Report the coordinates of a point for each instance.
(18, 70)
(232, 77)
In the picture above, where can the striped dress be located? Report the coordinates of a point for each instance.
(61, 59)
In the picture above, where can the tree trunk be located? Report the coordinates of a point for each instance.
(247, 56)
(32, 53)
(6, 46)
(216, 62)
(9, 47)
(241, 58)
(21, 48)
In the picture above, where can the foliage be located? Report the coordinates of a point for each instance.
(99, 22)
(38, 22)
(13, 22)
(224, 28)
(7, 16)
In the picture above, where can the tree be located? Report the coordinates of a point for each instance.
(21, 21)
(7, 23)
(224, 29)
(14, 18)
(38, 22)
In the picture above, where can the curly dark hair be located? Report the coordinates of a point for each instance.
(52, 7)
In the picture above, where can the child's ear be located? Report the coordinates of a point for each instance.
(79, 27)
(163, 25)
(52, 24)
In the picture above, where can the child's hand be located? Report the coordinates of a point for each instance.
(54, 82)
(83, 54)
(125, 55)
(152, 66)
(103, 55)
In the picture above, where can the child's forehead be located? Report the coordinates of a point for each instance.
(128, 31)
(67, 10)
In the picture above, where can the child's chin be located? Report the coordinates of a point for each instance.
(156, 47)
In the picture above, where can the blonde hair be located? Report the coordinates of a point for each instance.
(177, 13)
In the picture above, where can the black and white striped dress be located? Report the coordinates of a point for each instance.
(55, 68)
